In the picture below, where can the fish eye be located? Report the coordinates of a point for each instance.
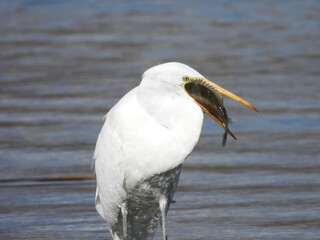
(186, 78)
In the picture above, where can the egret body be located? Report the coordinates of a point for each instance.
(145, 139)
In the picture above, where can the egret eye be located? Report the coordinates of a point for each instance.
(186, 79)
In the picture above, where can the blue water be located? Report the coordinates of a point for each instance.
(64, 64)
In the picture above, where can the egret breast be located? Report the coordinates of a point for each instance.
(149, 145)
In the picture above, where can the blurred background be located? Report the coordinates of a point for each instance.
(64, 64)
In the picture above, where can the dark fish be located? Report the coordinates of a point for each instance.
(211, 103)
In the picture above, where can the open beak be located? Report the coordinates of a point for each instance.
(208, 96)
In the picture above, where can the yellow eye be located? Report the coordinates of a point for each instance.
(186, 78)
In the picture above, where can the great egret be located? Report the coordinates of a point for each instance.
(145, 139)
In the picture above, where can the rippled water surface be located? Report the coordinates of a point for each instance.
(64, 64)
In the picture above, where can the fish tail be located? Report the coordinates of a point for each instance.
(224, 138)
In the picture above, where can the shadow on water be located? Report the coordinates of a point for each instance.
(64, 64)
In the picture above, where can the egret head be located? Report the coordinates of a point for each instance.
(183, 80)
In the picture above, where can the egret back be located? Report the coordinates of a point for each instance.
(109, 168)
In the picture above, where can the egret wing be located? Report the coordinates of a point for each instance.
(109, 172)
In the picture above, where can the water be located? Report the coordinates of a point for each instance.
(64, 64)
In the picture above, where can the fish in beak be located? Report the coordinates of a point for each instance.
(208, 96)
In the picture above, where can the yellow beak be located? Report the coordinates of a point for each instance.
(229, 94)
